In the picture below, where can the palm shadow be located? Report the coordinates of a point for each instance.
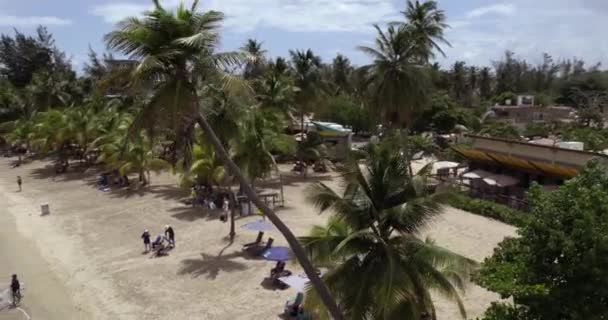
(292, 179)
(189, 214)
(211, 266)
(76, 171)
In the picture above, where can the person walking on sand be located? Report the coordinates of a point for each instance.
(19, 182)
(225, 209)
(146, 237)
(170, 235)
(15, 290)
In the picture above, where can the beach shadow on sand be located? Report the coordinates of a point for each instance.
(211, 265)
(292, 179)
(190, 214)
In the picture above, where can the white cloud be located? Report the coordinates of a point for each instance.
(293, 15)
(115, 12)
(562, 28)
(495, 9)
(31, 21)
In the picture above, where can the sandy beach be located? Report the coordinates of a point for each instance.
(85, 260)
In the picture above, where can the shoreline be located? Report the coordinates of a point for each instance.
(20, 255)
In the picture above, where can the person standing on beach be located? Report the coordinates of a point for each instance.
(225, 209)
(19, 182)
(146, 237)
(170, 234)
(15, 289)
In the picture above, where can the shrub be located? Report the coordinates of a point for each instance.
(489, 209)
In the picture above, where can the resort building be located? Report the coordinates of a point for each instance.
(503, 170)
(525, 112)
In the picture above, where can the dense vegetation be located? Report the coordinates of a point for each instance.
(179, 103)
(489, 209)
(556, 268)
(372, 239)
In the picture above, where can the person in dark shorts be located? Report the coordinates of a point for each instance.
(146, 237)
(15, 289)
(19, 182)
(170, 235)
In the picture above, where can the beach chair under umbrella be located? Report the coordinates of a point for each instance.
(277, 254)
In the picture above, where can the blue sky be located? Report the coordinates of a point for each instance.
(481, 30)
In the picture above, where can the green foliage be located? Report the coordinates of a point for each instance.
(444, 115)
(504, 311)
(500, 129)
(503, 97)
(594, 139)
(346, 111)
(490, 209)
(557, 266)
(398, 83)
(23, 56)
(377, 266)
(538, 130)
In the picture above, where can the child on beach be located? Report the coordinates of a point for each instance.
(146, 237)
(170, 235)
(19, 182)
(225, 209)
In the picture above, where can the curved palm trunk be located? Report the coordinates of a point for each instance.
(298, 251)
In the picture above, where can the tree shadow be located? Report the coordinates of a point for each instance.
(211, 266)
(293, 179)
(75, 172)
(167, 191)
(192, 214)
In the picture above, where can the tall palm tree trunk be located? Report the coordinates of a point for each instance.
(298, 251)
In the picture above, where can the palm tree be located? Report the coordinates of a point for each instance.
(176, 49)
(134, 155)
(341, 72)
(398, 79)
(255, 67)
(485, 83)
(426, 22)
(206, 168)
(306, 67)
(377, 266)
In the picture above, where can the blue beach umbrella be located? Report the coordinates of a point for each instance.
(277, 254)
(258, 225)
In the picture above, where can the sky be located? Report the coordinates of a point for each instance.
(480, 32)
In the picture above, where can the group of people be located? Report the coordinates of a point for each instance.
(168, 236)
(103, 182)
(203, 196)
(200, 195)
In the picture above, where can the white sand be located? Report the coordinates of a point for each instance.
(90, 245)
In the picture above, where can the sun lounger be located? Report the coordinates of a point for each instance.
(258, 250)
(257, 242)
(292, 306)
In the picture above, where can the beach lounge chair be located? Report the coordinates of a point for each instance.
(292, 306)
(268, 245)
(257, 242)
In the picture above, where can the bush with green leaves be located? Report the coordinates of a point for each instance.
(558, 266)
(489, 209)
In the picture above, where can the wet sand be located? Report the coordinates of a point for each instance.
(45, 296)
